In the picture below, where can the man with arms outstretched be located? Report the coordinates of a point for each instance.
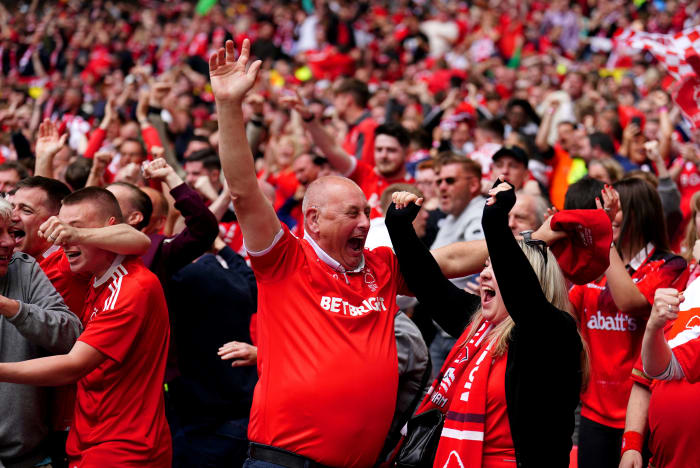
(327, 354)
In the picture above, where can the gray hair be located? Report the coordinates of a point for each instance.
(5, 210)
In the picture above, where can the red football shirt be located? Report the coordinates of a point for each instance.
(119, 412)
(373, 184)
(615, 337)
(359, 141)
(327, 354)
(73, 288)
(674, 413)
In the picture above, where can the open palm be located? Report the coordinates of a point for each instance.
(49, 142)
(230, 80)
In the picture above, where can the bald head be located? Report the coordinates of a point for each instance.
(322, 189)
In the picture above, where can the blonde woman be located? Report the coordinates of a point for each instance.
(690, 248)
(509, 387)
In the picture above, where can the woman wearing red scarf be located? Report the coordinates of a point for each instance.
(510, 385)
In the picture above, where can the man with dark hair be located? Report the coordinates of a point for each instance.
(203, 173)
(119, 410)
(11, 172)
(131, 151)
(512, 164)
(391, 143)
(350, 103)
(77, 173)
(581, 195)
(136, 206)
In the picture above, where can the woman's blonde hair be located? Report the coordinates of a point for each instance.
(555, 290)
(691, 232)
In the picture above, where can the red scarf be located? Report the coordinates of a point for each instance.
(464, 403)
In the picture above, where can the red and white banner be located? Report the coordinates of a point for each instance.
(672, 50)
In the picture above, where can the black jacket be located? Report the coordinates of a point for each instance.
(543, 368)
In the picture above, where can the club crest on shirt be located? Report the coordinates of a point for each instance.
(370, 281)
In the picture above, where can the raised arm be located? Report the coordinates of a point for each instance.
(450, 306)
(230, 81)
(517, 281)
(656, 352)
(47, 145)
(326, 142)
(119, 238)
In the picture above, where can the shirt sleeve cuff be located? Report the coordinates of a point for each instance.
(260, 253)
(673, 371)
(353, 166)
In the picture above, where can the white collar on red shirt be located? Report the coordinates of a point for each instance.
(331, 262)
(110, 271)
(641, 257)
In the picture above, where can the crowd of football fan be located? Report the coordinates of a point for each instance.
(207, 230)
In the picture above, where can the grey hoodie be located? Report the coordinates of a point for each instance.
(43, 326)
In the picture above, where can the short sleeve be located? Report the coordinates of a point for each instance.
(114, 330)
(279, 260)
(639, 376)
(361, 173)
(672, 273)
(686, 349)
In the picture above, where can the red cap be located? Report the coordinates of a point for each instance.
(584, 254)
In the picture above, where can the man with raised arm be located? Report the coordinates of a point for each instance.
(327, 359)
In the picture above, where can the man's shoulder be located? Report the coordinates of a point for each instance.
(21, 262)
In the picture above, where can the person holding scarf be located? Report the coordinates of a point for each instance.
(510, 385)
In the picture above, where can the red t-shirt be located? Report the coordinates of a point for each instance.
(327, 361)
(373, 184)
(674, 413)
(119, 412)
(498, 441)
(73, 289)
(615, 337)
(359, 141)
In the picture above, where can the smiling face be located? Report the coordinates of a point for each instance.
(84, 259)
(7, 245)
(389, 156)
(28, 213)
(492, 306)
(339, 222)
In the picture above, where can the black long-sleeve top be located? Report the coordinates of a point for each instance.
(543, 366)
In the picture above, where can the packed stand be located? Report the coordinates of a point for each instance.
(350, 234)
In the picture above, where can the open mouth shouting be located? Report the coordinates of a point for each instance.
(487, 294)
(356, 243)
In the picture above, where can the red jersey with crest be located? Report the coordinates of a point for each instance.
(615, 337)
(674, 413)
(373, 184)
(327, 364)
(119, 412)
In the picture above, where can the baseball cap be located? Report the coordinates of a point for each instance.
(584, 254)
(514, 152)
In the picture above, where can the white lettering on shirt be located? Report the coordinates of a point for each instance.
(620, 322)
(339, 306)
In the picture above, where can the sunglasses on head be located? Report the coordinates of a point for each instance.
(540, 245)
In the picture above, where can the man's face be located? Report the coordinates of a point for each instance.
(84, 259)
(28, 213)
(343, 223)
(454, 187)
(566, 136)
(129, 212)
(522, 216)
(425, 181)
(389, 156)
(8, 180)
(514, 171)
(341, 101)
(305, 170)
(131, 152)
(196, 169)
(7, 245)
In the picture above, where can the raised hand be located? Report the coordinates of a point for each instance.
(49, 143)
(159, 169)
(403, 199)
(666, 307)
(293, 100)
(230, 80)
(611, 201)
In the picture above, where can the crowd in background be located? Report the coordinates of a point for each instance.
(438, 98)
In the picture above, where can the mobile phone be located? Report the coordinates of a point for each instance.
(637, 120)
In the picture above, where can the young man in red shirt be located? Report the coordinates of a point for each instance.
(325, 305)
(119, 417)
(391, 143)
(350, 102)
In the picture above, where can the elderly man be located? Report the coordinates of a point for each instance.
(326, 307)
(119, 416)
(34, 322)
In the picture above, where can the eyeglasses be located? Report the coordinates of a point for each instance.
(540, 245)
(450, 180)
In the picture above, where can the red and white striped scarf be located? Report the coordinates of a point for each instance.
(460, 393)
